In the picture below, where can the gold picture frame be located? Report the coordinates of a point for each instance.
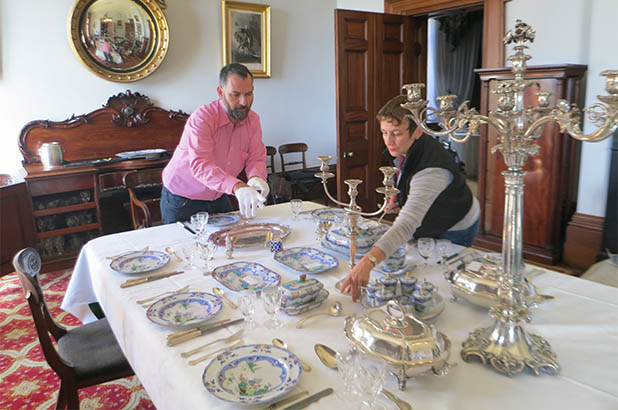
(246, 36)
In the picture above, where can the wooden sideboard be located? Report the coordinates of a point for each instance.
(84, 198)
(550, 182)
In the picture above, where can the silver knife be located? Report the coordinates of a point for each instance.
(309, 400)
(150, 278)
(173, 341)
(287, 400)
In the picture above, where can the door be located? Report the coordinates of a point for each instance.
(375, 55)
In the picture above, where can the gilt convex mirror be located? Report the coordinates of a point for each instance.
(118, 40)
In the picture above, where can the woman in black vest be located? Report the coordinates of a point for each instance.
(434, 199)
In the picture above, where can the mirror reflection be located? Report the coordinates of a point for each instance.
(118, 34)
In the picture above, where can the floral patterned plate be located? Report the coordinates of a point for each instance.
(184, 309)
(252, 374)
(140, 261)
(306, 260)
(297, 310)
(240, 276)
(223, 219)
(328, 214)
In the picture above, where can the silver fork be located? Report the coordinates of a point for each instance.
(228, 339)
(209, 355)
(171, 292)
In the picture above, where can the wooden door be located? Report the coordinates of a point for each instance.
(375, 55)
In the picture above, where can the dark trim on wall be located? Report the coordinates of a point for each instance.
(584, 235)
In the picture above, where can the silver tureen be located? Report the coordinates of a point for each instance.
(410, 346)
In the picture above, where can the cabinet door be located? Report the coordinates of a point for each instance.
(16, 223)
(375, 55)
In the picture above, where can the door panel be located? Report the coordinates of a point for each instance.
(374, 58)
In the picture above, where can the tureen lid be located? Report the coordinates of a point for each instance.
(397, 337)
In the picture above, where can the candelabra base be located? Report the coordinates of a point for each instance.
(508, 348)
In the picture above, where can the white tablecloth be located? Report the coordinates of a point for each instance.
(581, 324)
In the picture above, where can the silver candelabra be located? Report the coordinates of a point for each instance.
(353, 212)
(506, 345)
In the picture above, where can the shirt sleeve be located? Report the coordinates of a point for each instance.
(256, 161)
(425, 187)
(199, 132)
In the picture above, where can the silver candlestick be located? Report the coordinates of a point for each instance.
(506, 345)
(353, 212)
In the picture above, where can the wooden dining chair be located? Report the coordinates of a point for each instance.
(144, 188)
(85, 356)
(293, 148)
(271, 152)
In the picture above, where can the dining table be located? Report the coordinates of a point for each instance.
(580, 323)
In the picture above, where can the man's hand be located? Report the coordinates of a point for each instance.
(259, 184)
(249, 200)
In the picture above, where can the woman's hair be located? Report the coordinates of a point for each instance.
(393, 111)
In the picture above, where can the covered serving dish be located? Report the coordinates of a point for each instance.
(405, 343)
(368, 233)
(300, 291)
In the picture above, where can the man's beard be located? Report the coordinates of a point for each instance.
(239, 113)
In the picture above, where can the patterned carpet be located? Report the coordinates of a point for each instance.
(26, 380)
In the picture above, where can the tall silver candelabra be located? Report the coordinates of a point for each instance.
(506, 345)
(353, 212)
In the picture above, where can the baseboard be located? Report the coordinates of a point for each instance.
(584, 236)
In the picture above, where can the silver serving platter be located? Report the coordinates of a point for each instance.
(405, 343)
(248, 235)
(481, 287)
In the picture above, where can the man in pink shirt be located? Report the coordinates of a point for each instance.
(219, 140)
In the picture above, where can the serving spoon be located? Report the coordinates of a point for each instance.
(334, 310)
(222, 294)
(280, 343)
(329, 358)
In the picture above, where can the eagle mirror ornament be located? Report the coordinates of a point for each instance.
(118, 40)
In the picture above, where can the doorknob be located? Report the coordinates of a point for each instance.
(348, 154)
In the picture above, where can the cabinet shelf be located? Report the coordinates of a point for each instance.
(65, 209)
(66, 231)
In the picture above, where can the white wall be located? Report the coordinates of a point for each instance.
(578, 32)
(40, 77)
(376, 6)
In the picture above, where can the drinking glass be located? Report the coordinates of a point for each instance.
(199, 221)
(347, 367)
(207, 253)
(246, 304)
(370, 381)
(425, 247)
(272, 297)
(188, 251)
(443, 245)
(296, 205)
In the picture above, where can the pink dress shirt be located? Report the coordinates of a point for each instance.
(212, 151)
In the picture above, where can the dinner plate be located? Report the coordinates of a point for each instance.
(383, 270)
(183, 309)
(247, 235)
(241, 276)
(306, 260)
(140, 261)
(147, 153)
(252, 374)
(297, 310)
(223, 220)
(328, 214)
(360, 252)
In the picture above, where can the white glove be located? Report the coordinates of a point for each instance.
(259, 184)
(249, 200)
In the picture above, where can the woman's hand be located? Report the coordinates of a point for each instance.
(357, 278)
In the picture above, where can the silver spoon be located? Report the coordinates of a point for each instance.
(329, 358)
(173, 252)
(334, 310)
(222, 294)
(280, 343)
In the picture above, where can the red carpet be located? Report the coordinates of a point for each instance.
(26, 380)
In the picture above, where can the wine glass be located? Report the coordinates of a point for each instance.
(296, 205)
(443, 245)
(272, 297)
(199, 221)
(246, 304)
(425, 247)
(207, 252)
(370, 381)
(188, 251)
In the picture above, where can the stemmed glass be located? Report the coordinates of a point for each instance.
(246, 304)
(443, 245)
(207, 252)
(425, 247)
(188, 251)
(199, 221)
(272, 297)
(370, 381)
(296, 205)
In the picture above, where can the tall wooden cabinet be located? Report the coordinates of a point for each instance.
(551, 179)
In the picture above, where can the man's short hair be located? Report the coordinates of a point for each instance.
(233, 68)
(393, 111)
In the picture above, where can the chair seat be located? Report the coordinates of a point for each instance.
(92, 350)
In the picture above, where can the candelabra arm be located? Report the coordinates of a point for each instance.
(330, 196)
(376, 213)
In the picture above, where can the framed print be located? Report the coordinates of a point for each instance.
(246, 36)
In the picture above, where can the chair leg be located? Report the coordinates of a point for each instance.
(61, 403)
(73, 398)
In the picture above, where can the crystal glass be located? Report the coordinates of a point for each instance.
(347, 367)
(425, 247)
(443, 245)
(188, 251)
(271, 298)
(296, 205)
(199, 221)
(246, 304)
(207, 250)
(370, 378)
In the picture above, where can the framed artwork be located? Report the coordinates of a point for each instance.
(246, 36)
